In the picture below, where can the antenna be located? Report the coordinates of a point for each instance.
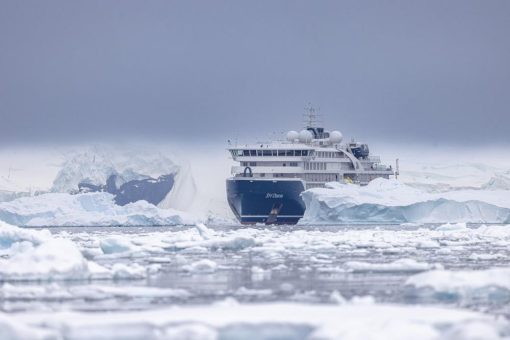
(311, 117)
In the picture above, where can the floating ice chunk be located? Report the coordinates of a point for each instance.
(337, 298)
(452, 227)
(475, 330)
(190, 331)
(478, 257)
(117, 244)
(91, 291)
(25, 292)
(205, 232)
(235, 243)
(259, 274)
(401, 265)
(10, 235)
(427, 244)
(35, 255)
(55, 259)
(362, 300)
(11, 329)
(462, 281)
(201, 266)
(130, 272)
(243, 291)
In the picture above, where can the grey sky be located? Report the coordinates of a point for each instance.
(408, 71)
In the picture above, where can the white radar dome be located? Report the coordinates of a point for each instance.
(335, 137)
(292, 136)
(305, 136)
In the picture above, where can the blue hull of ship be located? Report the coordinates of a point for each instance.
(252, 201)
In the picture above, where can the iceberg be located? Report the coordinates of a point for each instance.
(390, 201)
(87, 209)
(129, 174)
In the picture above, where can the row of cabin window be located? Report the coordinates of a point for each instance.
(328, 154)
(315, 166)
(255, 164)
(321, 177)
(270, 152)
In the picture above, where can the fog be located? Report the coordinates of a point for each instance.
(428, 73)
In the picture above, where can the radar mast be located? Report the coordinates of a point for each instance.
(311, 117)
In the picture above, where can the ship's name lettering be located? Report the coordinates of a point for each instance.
(273, 195)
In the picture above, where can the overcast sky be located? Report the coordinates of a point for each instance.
(403, 71)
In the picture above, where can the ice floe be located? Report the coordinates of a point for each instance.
(270, 320)
(390, 201)
(201, 266)
(30, 255)
(462, 281)
(401, 265)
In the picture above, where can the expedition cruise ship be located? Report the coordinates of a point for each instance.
(266, 185)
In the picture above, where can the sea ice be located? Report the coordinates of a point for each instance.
(269, 320)
(88, 209)
(462, 281)
(201, 267)
(401, 265)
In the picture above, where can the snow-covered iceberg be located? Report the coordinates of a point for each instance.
(129, 174)
(390, 201)
(88, 209)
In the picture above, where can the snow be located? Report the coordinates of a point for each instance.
(391, 201)
(270, 320)
(88, 209)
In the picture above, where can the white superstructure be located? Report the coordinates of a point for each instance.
(313, 155)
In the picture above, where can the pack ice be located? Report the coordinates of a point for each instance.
(391, 201)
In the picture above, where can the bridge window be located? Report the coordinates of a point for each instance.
(281, 152)
(259, 152)
(266, 152)
(246, 152)
(289, 153)
(275, 153)
(304, 152)
(298, 152)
